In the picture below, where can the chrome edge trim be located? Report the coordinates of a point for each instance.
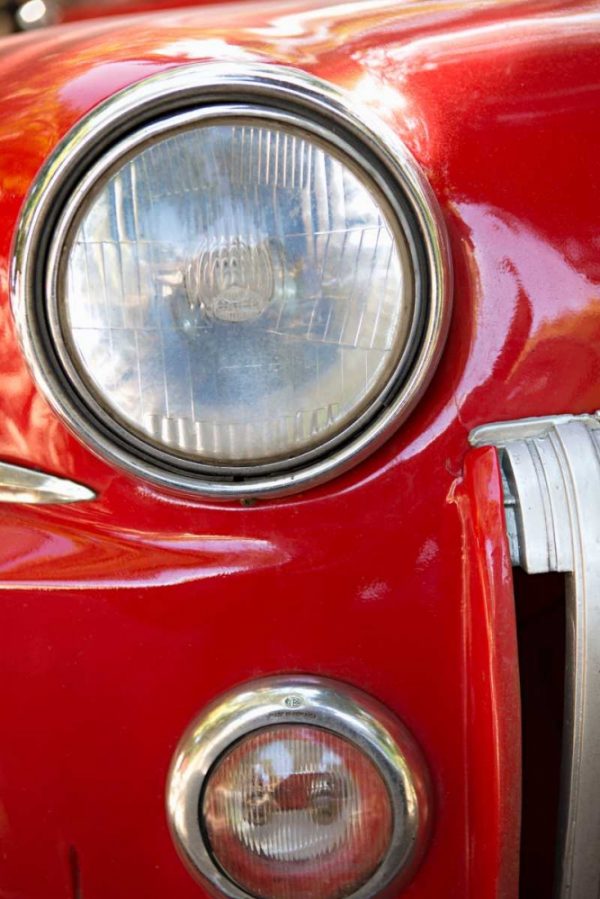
(552, 470)
(314, 701)
(31, 487)
(204, 83)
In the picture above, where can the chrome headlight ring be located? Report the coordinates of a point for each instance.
(191, 94)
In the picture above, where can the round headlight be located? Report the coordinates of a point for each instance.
(299, 788)
(239, 296)
(233, 291)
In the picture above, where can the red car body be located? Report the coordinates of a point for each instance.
(122, 617)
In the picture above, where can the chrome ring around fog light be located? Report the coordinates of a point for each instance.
(310, 704)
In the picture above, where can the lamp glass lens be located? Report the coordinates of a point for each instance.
(295, 812)
(236, 292)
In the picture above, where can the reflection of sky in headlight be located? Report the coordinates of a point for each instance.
(236, 293)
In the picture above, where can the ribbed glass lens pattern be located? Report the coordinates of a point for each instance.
(295, 812)
(236, 293)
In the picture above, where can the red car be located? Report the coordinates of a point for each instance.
(300, 354)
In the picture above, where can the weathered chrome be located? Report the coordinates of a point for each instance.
(26, 485)
(552, 470)
(319, 702)
(191, 91)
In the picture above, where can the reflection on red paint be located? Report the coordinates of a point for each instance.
(121, 618)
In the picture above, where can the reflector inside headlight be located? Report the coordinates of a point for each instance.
(235, 292)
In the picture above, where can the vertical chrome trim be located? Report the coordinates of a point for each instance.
(552, 468)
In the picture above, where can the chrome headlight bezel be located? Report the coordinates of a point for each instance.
(193, 93)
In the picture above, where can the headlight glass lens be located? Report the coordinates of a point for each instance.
(294, 812)
(236, 292)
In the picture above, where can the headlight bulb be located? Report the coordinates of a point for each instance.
(232, 281)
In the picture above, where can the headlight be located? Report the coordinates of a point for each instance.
(240, 296)
(299, 788)
(233, 291)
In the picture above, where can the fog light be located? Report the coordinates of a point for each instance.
(299, 789)
(297, 811)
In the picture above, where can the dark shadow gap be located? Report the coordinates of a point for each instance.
(75, 872)
(540, 609)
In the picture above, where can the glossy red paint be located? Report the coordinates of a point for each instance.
(82, 10)
(121, 618)
(492, 700)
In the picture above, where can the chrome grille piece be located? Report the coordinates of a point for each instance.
(552, 501)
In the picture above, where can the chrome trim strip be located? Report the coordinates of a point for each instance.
(552, 468)
(200, 85)
(311, 701)
(28, 486)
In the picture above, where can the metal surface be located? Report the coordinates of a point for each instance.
(552, 467)
(341, 709)
(25, 485)
(298, 100)
(490, 646)
(120, 618)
